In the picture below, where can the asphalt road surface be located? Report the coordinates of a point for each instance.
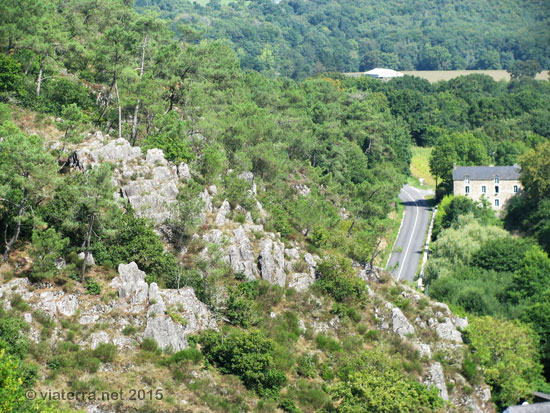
(409, 246)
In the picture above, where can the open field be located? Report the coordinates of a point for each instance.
(420, 166)
(437, 75)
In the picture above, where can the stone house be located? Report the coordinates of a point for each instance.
(497, 184)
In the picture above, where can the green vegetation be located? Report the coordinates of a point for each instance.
(327, 156)
(300, 39)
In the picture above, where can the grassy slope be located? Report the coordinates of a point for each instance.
(420, 167)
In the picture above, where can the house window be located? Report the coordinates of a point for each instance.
(467, 189)
(467, 179)
(496, 189)
(483, 189)
(496, 180)
(497, 202)
(515, 188)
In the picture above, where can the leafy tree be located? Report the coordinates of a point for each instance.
(27, 174)
(527, 69)
(508, 353)
(247, 354)
(373, 383)
(535, 171)
(47, 247)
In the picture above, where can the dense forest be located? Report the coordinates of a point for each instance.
(297, 38)
(311, 168)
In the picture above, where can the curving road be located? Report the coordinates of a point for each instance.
(409, 245)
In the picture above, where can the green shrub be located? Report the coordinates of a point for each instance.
(11, 76)
(105, 352)
(57, 93)
(92, 287)
(337, 278)
(239, 309)
(327, 343)
(307, 365)
(247, 354)
(189, 354)
(288, 405)
(170, 135)
(18, 303)
(12, 335)
(149, 344)
(238, 192)
(129, 330)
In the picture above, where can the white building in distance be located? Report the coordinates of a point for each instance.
(383, 74)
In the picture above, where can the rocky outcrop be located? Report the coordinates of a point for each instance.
(271, 262)
(149, 183)
(175, 314)
(241, 256)
(221, 216)
(436, 378)
(131, 286)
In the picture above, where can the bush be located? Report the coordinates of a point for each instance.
(105, 352)
(57, 93)
(240, 309)
(337, 279)
(170, 135)
(11, 77)
(149, 344)
(129, 330)
(238, 192)
(306, 365)
(189, 354)
(93, 287)
(247, 354)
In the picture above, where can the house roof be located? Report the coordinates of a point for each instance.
(380, 72)
(529, 408)
(486, 173)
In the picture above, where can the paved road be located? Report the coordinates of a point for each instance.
(408, 248)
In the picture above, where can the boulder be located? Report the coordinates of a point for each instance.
(241, 255)
(271, 262)
(183, 171)
(221, 219)
(400, 324)
(175, 314)
(90, 261)
(155, 157)
(131, 284)
(436, 378)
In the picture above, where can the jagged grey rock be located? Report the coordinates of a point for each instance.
(68, 305)
(155, 156)
(400, 324)
(90, 261)
(97, 338)
(214, 237)
(183, 171)
(174, 315)
(271, 262)
(447, 331)
(249, 176)
(131, 284)
(241, 256)
(435, 377)
(301, 281)
(221, 219)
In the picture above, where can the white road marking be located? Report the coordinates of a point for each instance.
(411, 238)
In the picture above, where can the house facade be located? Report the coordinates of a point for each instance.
(496, 184)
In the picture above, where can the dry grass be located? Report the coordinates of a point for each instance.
(437, 75)
(36, 124)
(420, 165)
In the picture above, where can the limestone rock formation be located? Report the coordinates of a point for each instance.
(271, 262)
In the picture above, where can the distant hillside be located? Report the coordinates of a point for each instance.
(298, 38)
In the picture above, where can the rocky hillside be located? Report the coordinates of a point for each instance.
(144, 328)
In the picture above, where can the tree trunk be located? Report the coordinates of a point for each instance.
(13, 240)
(136, 110)
(40, 71)
(87, 252)
(119, 110)
(351, 227)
